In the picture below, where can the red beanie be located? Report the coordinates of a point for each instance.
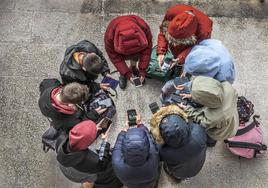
(183, 26)
(82, 135)
(129, 38)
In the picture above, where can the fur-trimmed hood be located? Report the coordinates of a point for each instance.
(157, 118)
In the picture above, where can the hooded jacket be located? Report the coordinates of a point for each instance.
(118, 59)
(204, 29)
(59, 121)
(219, 115)
(71, 71)
(135, 158)
(87, 161)
(210, 58)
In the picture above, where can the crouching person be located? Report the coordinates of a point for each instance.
(218, 112)
(135, 157)
(74, 155)
(62, 104)
(182, 145)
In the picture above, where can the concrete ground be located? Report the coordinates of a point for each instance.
(33, 37)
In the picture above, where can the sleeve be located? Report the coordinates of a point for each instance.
(117, 151)
(182, 56)
(116, 59)
(197, 115)
(94, 163)
(146, 53)
(162, 43)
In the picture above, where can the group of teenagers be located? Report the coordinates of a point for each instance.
(180, 132)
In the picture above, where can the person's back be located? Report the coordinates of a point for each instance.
(182, 145)
(219, 112)
(135, 158)
(210, 58)
(63, 114)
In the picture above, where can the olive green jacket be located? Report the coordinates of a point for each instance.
(219, 115)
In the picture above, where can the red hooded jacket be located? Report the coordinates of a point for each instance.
(127, 37)
(203, 31)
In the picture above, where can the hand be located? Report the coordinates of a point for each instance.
(160, 59)
(104, 86)
(179, 87)
(104, 136)
(138, 118)
(183, 74)
(100, 110)
(181, 105)
(186, 96)
(142, 79)
(126, 125)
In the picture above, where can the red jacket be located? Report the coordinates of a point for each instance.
(118, 59)
(203, 31)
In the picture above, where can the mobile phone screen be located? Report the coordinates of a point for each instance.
(131, 114)
(105, 124)
(154, 107)
(137, 82)
(106, 102)
(113, 83)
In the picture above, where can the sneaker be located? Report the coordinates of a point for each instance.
(210, 142)
(122, 82)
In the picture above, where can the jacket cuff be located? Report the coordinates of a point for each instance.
(142, 73)
(128, 75)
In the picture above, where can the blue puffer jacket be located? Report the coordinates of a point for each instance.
(184, 151)
(211, 58)
(135, 158)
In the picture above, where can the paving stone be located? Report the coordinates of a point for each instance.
(7, 4)
(51, 5)
(15, 26)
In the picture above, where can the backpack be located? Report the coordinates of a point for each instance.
(248, 141)
(93, 103)
(154, 71)
(49, 138)
(245, 109)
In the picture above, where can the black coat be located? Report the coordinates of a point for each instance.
(186, 158)
(71, 71)
(88, 161)
(141, 176)
(60, 121)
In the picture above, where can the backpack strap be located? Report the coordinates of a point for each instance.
(247, 145)
(249, 127)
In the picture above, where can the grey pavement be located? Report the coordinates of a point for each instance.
(33, 37)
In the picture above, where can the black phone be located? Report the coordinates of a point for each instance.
(154, 107)
(131, 115)
(178, 99)
(106, 103)
(137, 82)
(105, 124)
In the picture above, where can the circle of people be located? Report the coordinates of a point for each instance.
(199, 103)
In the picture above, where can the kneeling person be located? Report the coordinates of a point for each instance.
(135, 158)
(182, 145)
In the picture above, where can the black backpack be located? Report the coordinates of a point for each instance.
(245, 109)
(49, 138)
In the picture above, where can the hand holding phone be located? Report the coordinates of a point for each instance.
(136, 81)
(112, 82)
(131, 116)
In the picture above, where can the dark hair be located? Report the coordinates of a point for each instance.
(74, 93)
(92, 63)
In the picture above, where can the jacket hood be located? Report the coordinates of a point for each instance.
(174, 130)
(207, 91)
(202, 61)
(159, 115)
(67, 159)
(135, 147)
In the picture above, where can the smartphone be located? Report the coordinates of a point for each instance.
(137, 82)
(166, 66)
(131, 115)
(105, 124)
(113, 83)
(106, 103)
(154, 107)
